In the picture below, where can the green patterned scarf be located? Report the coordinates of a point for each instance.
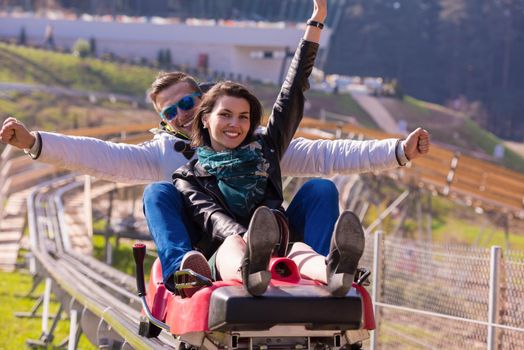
(241, 174)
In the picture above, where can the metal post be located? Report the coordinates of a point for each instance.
(493, 308)
(375, 293)
(88, 206)
(73, 329)
(418, 206)
(429, 218)
(109, 251)
(386, 212)
(45, 309)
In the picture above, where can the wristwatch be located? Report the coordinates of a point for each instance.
(313, 23)
(34, 151)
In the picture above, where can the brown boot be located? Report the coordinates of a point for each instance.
(262, 237)
(345, 251)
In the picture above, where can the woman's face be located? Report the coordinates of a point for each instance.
(228, 123)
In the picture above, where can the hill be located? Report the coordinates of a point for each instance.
(35, 66)
(41, 67)
(51, 112)
(455, 130)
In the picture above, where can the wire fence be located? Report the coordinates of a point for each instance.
(431, 296)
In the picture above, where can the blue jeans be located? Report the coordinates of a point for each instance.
(312, 215)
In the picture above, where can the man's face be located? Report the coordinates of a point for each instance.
(183, 120)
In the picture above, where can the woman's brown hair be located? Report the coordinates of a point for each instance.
(226, 88)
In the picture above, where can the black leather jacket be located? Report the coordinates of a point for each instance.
(203, 200)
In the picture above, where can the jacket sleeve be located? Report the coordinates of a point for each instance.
(289, 107)
(306, 157)
(206, 213)
(111, 161)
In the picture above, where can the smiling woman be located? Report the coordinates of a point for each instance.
(228, 123)
(234, 189)
(228, 116)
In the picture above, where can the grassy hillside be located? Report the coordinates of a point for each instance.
(34, 66)
(453, 129)
(28, 65)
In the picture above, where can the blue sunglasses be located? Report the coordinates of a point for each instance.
(185, 103)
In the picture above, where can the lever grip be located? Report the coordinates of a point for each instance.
(139, 253)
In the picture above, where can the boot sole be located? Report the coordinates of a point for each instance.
(263, 237)
(350, 242)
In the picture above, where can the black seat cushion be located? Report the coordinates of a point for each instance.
(233, 309)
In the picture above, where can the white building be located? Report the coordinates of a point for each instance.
(230, 48)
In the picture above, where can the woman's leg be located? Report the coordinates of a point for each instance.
(247, 258)
(229, 258)
(339, 268)
(312, 214)
(310, 264)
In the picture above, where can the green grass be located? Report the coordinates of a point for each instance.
(15, 331)
(456, 230)
(418, 105)
(28, 65)
(452, 223)
(122, 255)
(487, 142)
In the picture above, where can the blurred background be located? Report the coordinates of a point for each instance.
(454, 67)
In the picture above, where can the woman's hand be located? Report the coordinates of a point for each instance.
(319, 15)
(319, 10)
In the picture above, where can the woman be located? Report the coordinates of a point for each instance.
(236, 182)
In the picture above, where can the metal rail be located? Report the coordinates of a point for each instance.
(101, 294)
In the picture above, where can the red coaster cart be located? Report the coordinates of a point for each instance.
(294, 313)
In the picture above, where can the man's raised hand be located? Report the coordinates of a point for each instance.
(16, 134)
(417, 144)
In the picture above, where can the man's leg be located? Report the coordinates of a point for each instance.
(172, 231)
(313, 213)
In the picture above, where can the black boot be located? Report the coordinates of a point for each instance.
(262, 237)
(345, 250)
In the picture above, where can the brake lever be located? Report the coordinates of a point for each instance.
(363, 277)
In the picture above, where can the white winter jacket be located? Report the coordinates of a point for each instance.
(156, 160)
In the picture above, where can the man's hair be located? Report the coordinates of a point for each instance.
(226, 88)
(165, 80)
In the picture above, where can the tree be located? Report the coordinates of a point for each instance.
(22, 37)
(81, 48)
(160, 58)
(167, 56)
(92, 46)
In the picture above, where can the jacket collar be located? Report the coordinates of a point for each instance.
(164, 128)
(199, 170)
